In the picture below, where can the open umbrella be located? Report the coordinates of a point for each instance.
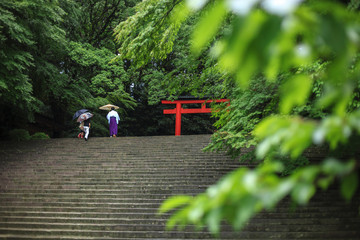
(84, 116)
(79, 112)
(108, 107)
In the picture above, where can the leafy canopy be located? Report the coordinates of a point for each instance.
(26, 29)
(54, 60)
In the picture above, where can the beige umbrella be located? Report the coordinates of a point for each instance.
(85, 116)
(108, 107)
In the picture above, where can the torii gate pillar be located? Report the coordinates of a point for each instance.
(177, 119)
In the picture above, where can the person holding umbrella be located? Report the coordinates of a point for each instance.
(85, 118)
(87, 126)
(76, 115)
(113, 119)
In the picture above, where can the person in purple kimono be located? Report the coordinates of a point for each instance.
(113, 119)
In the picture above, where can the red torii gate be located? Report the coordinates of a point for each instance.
(179, 110)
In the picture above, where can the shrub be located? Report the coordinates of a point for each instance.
(40, 135)
(19, 135)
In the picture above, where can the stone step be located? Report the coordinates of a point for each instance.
(159, 226)
(33, 226)
(101, 188)
(256, 222)
(85, 192)
(154, 226)
(71, 210)
(127, 173)
(48, 232)
(107, 196)
(135, 202)
(114, 194)
(82, 184)
(78, 214)
(134, 213)
(125, 165)
(73, 234)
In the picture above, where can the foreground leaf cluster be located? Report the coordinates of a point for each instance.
(296, 72)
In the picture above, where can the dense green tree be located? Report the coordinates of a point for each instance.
(90, 50)
(99, 18)
(31, 43)
(55, 59)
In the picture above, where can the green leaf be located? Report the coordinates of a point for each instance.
(303, 192)
(197, 209)
(3, 85)
(174, 202)
(180, 13)
(179, 218)
(245, 211)
(324, 182)
(294, 92)
(349, 185)
(299, 137)
(208, 26)
(213, 220)
(238, 54)
(333, 166)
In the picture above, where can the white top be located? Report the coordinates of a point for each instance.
(113, 113)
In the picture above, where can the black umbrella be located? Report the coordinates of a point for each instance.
(78, 113)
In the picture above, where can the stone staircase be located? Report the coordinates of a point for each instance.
(111, 188)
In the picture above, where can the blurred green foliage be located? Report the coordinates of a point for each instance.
(296, 72)
(243, 193)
